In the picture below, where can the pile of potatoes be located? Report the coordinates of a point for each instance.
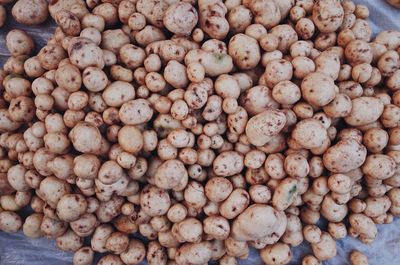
(209, 127)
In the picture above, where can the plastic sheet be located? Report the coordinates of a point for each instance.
(16, 249)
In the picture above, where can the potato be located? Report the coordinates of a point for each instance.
(69, 241)
(263, 126)
(318, 89)
(358, 258)
(235, 204)
(361, 114)
(170, 174)
(100, 236)
(214, 63)
(249, 225)
(244, 50)
(284, 194)
(85, 138)
(218, 189)
(18, 42)
(309, 133)
(53, 189)
(180, 18)
(84, 256)
(213, 23)
(10, 222)
(379, 166)
(228, 163)
(344, 156)
(154, 201)
(363, 225)
(196, 253)
(326, 248)
(30, 12)
(71, 206)
(276, 254)
(84, 52)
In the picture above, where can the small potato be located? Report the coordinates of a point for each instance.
(188, 230)
(110, 259)
(260, 193)
(379, 166)
(85, 138)
(296, 165)
(257, 99)
(326, 248)
(236, 203)
(30, 12)
(312, 234)
(170, 174)
(84, 256)
(332, 210)
(276, 71)
(377, 206)
(69, 241)
(19, 43)
(327, 15)
(286, 34)
(340, 106)
(117, 242)
(135, 112)
(180, 18)
(244, 50)
(10, 222)
(284, 194)
(99, 238)
(154, 201)
(84, 52)
(68, 22)
(278, 253)
(31, 227)
(363, 225)
(358, 258)
(94, 79)
(135, 252)
(216, 226)
(286, 92)
(52, 228)
(228, 164)
(196, 253)
(318, 89)
(71, 206)
(130, 139)
(310, 260)
(218, 189)
(214, 64)
(309, 133)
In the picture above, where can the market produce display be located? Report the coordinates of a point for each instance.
(209, 127)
